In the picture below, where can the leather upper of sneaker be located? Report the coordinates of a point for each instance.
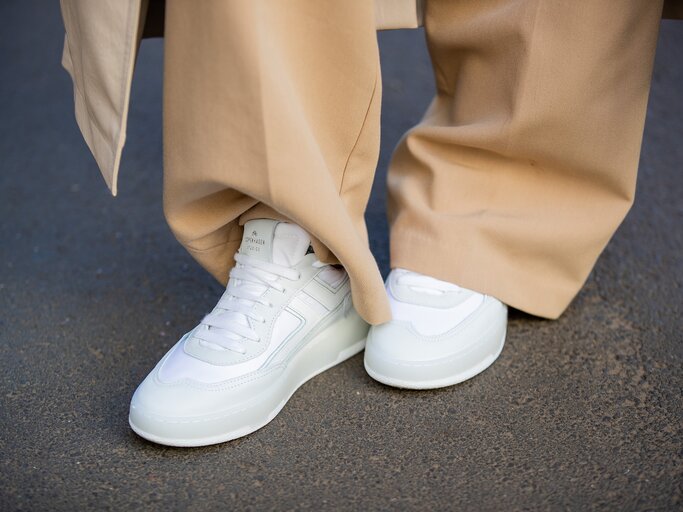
(432, 319)
(431, 306)
(284, 292)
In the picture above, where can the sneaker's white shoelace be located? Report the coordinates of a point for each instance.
(228, 325)
(425, 284)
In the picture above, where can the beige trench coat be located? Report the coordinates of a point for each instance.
(102, 74)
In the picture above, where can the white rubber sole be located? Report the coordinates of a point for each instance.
(459, 375)
(328, 349)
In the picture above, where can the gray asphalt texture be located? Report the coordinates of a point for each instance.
(579, 413)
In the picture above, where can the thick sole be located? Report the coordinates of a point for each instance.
(469, 364)
(334, 345)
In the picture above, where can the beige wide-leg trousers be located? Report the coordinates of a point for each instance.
(512, 184)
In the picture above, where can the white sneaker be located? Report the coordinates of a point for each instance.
(440, 334)
(284, 318)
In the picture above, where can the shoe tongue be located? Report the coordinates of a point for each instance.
(273, 241)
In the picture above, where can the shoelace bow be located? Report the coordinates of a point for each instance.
(224, 330)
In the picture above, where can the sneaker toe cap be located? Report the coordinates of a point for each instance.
(396, 354)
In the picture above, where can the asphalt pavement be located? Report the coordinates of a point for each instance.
(580, 413)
